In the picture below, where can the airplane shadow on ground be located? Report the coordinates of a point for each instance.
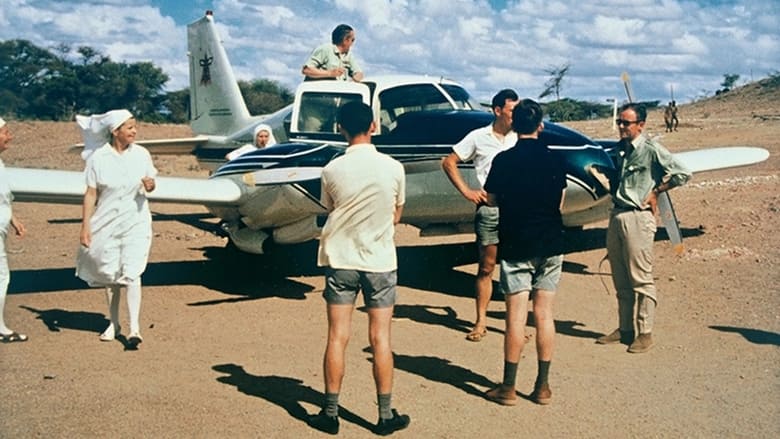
(285, 392)
(246, 276)
(756, 336)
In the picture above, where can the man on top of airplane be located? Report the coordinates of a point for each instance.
(334, 61)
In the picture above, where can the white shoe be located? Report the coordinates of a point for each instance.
(110, 333)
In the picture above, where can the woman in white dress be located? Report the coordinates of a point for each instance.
(116, 227)
(263, 136)
(7, 335)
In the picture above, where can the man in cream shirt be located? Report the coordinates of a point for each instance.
(364, 191)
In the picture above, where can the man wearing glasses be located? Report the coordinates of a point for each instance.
(645, 169)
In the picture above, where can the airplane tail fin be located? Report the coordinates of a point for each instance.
(216, 104)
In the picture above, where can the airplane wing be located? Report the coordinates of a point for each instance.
(701, 160)
(711, 159)
(67, 187)
(178, 146)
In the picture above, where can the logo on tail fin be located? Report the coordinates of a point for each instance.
(205, 76)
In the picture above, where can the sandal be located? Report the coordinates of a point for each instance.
(476, 334)
(13, 337)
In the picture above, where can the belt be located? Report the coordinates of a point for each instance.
(630, 209)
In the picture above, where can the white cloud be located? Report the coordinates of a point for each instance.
(688, 43)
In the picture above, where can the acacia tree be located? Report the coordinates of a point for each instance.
(553, 85)
(34, 81)
(729, 79)
(263, 96)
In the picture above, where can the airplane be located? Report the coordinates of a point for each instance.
(272, 194)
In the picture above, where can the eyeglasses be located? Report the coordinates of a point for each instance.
(620, 122)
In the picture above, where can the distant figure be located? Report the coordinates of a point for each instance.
(334, 61)
(528, 184)
(668, 119)
(7, 218)
(263, 136)
(675, 121)
(481, 145)
(116, 226)
(645, 169)
(358, 253)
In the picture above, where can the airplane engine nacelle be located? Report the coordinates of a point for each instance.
(297, 232)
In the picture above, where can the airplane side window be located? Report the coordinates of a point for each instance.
(318, 111)
(410, 98)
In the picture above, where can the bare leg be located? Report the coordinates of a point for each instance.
(484, 287)
(339, 323)
(516, 317)
(379, 320)
(545, 324)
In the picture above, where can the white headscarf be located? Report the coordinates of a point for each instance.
(264, 127)
(2, 123)
(96, 129)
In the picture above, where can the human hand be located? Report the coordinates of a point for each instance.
(85, 237)
(476, 196)
(652, 202)
(148, 183)
(18, 227)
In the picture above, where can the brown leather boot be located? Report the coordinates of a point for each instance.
(542, 394)
(617, 336)
(642, 344)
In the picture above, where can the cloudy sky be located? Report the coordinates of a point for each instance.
(684, 46)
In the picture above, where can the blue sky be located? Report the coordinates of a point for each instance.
(681, 45)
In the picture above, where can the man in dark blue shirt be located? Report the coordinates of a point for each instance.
(527, 183)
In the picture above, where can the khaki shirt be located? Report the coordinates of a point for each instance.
(643, 165)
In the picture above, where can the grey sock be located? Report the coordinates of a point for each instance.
(332, 404)
(385, 406)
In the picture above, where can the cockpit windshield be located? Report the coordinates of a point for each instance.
(420, 97)
(461, 97)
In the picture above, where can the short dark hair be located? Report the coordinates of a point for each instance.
(526, 116)
(639, 110)
(355, 118)
(339, 33)
(499, 100)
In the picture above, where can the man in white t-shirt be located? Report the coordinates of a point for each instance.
(481, 145)
(364, 191)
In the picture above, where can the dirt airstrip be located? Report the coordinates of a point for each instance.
(233, 343)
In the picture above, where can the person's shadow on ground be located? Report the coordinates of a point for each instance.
(441, 370)
(56, 319)
(288, 393)
(756, 336)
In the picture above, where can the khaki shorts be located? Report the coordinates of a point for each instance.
(532, 274)
(342, 286)
(486, 225)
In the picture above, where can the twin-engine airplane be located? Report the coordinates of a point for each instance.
(274, 192)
